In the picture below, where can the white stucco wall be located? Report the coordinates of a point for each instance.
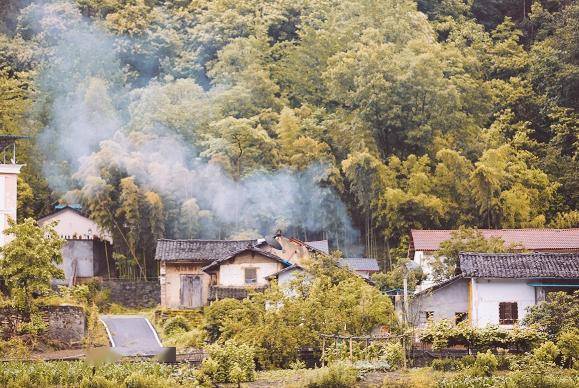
(8, 193)
(488, 293)
(444, 302)
(73, 225)
(424, 259)
(233, 273)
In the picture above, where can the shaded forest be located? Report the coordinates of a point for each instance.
(348, 120)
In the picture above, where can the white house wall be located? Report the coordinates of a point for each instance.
(233, 273)
(81, 253)
(72, 225)
(488, 293)
(444, 303)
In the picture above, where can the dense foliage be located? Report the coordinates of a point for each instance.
(28, 262)
(559, 313)
(279, 322)
(179, 118)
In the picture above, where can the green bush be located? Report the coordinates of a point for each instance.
(547, 353)
(175, 325)
(484, 365)
(394, 354)
(139, 380)
(447, 364)
(230, 362)
(193, 338)
(96, 382)
(568, 343)
(337, 375)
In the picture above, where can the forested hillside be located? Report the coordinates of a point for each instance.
(231, 118)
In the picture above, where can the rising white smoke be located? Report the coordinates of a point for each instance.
(94, 124)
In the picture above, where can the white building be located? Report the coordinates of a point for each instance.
(9, 171)
(424, 244)
(496, 288)
(87, 252)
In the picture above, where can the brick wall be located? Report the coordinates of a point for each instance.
(134, 293)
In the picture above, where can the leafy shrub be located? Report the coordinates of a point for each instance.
(225, 358)
(547, 353)
(297, 364)
(484, 365)
(394, 354)
(138, 380)
(96, 382)
(559, 313)
(543, 378)
(176, 324)
(14, 348)
(447, 364)
(337, 375)
(193, 338)
(568, 343)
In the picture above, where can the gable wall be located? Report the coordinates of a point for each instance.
(73, 225)
(443, 302)
(232, 272)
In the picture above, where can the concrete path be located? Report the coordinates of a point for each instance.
(132, 335)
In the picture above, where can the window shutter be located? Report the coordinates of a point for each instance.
(508, 313)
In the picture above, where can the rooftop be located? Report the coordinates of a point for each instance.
(519, 265)
(361, 264)
(529, 239)
(200, 251)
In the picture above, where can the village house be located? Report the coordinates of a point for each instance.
(195, 272)
(234, 276)
(496, 288)
(424, 244)
(9, 171)
(87, 252)
(363, 266)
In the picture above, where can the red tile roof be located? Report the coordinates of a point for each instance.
(530, 239)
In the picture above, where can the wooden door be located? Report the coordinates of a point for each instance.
(191, 291)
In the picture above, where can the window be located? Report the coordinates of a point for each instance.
(508, 313)
(250, 275)
(426, 316)
(460, 317)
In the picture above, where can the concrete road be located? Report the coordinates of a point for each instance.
(132, 335)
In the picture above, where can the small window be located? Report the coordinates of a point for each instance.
(460, 317)
(426, 316)
(508, 313)
(250, 275)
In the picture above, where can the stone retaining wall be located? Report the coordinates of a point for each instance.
(65, 324)
(134, 293)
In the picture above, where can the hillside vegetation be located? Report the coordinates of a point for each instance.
(219, 118)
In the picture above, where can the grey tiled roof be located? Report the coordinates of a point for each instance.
(321, 245)
(201, 251)
(519, 265)
(361, 264)
(258, 251)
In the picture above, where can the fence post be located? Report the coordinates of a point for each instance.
(351, 351)
(323, 351)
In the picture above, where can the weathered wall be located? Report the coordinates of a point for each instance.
(72, 225)
(170, 280)
(134, 293)
(66, 324)
(232, 272)
(444, 302)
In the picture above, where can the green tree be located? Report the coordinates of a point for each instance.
(560, 312)
(28, 262)
(463, 240)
